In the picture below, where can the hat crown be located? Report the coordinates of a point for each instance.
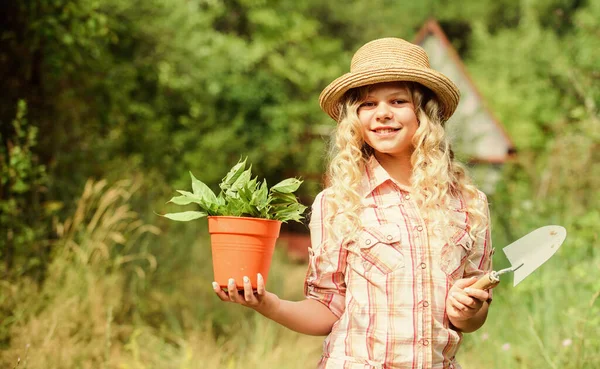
(390, 60)
(389, 52)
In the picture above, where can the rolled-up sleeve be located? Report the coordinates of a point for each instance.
(327, 263)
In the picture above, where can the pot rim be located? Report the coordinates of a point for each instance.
(246, 218)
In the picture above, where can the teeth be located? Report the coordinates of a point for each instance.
(387, 130)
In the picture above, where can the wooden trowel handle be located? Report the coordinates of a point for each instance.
(487, 282)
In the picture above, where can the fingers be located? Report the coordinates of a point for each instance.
(465, 282)
(219, 291)
(247, 296)
(463, 286)
(232, 290)
(475, 293)
(457, 307)
(248, 292)
(260, 285)
(464, 302)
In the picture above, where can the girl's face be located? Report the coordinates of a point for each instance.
(388, 119)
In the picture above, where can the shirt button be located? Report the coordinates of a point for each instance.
(423, 265)
(389, 237)
(425, 342)
(368, 242)
(406, 197)
(425, 303)
(419, 228)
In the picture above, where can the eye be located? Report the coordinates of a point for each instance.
(366, 104)
(399, 101)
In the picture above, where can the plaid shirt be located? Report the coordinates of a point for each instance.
(389, 288)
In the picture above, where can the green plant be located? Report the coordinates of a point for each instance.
(241, 196)
(23, 181)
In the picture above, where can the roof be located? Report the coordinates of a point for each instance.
(473, 129)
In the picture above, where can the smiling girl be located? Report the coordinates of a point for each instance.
(399, 234)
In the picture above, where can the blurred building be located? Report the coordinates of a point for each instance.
(476, 135)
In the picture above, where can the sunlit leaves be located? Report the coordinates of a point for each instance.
(202, 191)
(287, 186)
(181, 200)
(185, 216)
(241, 195)
(233, 175)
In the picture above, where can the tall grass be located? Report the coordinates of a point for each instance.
(64, 322)
(122, 294)
(550, 320)
(110, 303)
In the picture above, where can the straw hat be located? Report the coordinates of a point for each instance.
(387, 60)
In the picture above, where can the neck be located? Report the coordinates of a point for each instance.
(398, 167)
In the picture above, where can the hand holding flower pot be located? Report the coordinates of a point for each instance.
(243, 220)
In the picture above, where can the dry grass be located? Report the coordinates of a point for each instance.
(64, 323)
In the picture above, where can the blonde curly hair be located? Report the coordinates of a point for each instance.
(436, 176)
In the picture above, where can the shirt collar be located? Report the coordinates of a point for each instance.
(375, 176)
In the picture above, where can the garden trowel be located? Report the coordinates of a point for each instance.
(526, 254)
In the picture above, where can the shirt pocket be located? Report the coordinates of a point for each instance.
(379, 249)
(455, 253)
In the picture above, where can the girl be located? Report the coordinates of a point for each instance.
(399, 234)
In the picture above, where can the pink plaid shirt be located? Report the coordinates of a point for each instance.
(389, 288)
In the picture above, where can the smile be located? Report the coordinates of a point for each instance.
(385, 131)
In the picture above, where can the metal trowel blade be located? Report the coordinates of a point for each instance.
(534, 249)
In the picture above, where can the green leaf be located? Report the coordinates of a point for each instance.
(242, 180)
(248, 190)
(282, 198)
(260, 197)
(221, 201)
(202, 190)
(287, 186)
(185, 216)
(292, 212)
(182, 200)
(188, 194)
(191, 197)
(209, 205)
(235, 207)
(233, 175)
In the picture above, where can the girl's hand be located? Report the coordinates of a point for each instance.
(262, 301)
(463, 303)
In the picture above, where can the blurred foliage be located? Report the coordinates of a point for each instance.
(112, 89)
(22, 180)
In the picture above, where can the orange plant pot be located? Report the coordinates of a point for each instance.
(242, 247)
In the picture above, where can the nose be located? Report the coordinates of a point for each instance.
(383, 112)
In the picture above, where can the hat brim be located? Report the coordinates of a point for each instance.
(445, 90)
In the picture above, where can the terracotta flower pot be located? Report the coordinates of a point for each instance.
(242, 247)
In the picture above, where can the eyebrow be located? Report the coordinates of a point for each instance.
(393, 94)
